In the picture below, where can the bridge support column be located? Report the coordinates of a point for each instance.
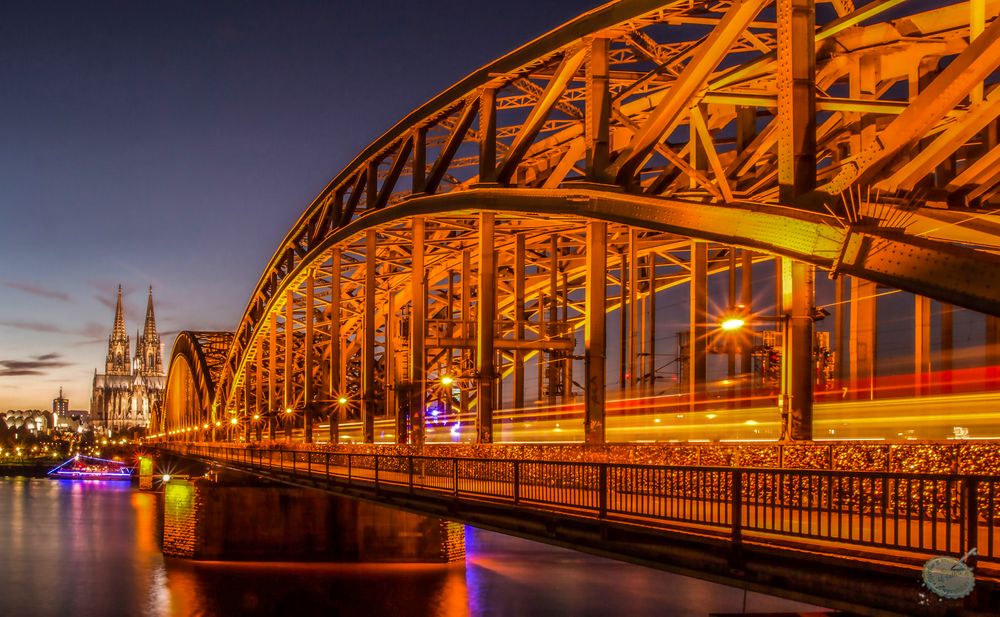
(336, 390)
(597, 132)
(272, 377)
(246, 408)
(258, 383)
(519, 318)
(863, 350)
(698, 324)
(921, 344)
(746, 336)
(797, 376)
(633, 308)
(595, 336)
(288, 357)
(242, 521)
(839, 332)
(308, 393)
(487, 306)
(796, 98)
(368, 349)
(418, 329)
(651, 321)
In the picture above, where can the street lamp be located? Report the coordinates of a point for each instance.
(731, 324)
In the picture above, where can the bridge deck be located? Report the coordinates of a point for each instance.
(872, 522)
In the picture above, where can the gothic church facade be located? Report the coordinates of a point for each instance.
(125, 395)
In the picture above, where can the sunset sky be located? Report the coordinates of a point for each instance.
(173, 145)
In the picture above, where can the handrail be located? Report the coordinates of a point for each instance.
(921, 514)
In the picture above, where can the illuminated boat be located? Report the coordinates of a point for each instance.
(91, 468)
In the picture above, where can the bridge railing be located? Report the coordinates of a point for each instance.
(920, 514)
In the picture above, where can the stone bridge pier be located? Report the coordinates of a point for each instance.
(228, 517)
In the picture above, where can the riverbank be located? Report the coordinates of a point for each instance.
(32, 469)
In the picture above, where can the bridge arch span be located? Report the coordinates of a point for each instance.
(640, 146)
(196, 362)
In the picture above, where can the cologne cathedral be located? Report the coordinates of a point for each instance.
(125, 395)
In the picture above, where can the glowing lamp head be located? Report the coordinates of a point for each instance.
(204, 425)
(234, 421)
(166, 478)
(288, 410)
(732, 323)
(217, 423)
(342, 400)
(447, 380)
(256, 416)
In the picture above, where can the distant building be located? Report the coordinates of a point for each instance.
(60, 407)
(31, 420)
(126, 393)
(75, 421)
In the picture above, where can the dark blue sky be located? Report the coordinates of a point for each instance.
(174, 143)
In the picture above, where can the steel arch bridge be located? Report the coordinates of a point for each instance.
(499, 228)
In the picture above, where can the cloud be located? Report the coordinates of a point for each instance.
(38, 365)
(37, 290)
(34, 326)
(91, 331)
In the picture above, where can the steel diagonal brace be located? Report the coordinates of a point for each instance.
(668, 113)
(952, 138)
(540, 112)
(953, 84)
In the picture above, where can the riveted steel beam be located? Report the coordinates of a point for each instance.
(953, 84)
(595, 332)
(667, 114)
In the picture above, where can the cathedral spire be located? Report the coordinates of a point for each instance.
(119, 328)
(149, 330)
(118, 343)
(148, 350)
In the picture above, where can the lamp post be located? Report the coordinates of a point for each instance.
(796, 364)
(289, 418)
(233, 422)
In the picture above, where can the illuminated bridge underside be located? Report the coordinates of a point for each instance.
(642, 146)
(195, 366)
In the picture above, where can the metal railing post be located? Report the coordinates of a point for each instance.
(410, 459)
(454, 477)
(971, 518)
(349, 467)
(376, 473)
(736, 552)
(603, 489)
(517, 482)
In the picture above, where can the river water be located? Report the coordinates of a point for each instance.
(90, 549)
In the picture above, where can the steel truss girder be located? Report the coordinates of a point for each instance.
(868, 253)
(642, 77)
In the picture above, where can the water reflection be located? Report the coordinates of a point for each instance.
(92, 549)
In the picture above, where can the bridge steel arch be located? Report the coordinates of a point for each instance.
(644, 144)
(196, 363)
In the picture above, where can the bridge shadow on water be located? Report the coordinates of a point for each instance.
(501, 576)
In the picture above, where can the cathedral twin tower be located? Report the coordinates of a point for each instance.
(125, 395)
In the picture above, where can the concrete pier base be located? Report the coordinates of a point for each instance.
(147, 465)
(213, 521)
